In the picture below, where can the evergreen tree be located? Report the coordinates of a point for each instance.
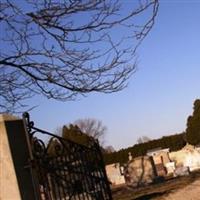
(73, 133)
(193, 125)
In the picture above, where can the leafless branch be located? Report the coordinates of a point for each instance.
(62, 49)
(92, 127)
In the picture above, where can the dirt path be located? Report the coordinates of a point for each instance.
(190, 192)
(180, 188)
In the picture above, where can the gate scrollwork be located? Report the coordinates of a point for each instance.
(67, 170)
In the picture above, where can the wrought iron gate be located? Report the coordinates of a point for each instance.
(67, 170)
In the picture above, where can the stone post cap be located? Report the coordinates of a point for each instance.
(8, 117)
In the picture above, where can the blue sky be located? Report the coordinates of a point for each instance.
(160, 95)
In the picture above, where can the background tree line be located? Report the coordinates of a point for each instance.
(174, 142)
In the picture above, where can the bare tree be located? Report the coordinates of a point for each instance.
(58, 131)
(92, 127)
(109, 149)
(62, 49)
(143, 139)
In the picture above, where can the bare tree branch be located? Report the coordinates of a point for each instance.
(92, 127)
(62, 49)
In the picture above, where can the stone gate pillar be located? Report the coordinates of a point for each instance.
(16, 180)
